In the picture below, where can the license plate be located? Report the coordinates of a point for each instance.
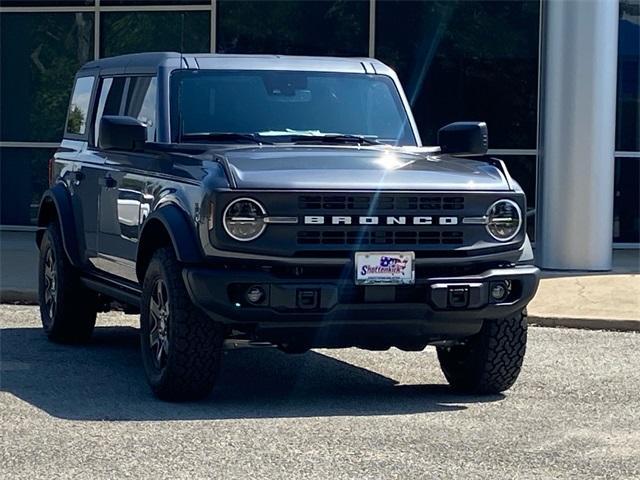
(382, 268)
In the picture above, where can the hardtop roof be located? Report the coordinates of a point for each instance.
(138, 62)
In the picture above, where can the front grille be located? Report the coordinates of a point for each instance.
(334, 224)
(380, 202)
(379, 237)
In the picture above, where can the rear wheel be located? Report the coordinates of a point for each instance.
(181, 347)
(67, 308)
(490, 361)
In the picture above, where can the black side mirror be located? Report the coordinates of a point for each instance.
(464, 138)
(121, 133)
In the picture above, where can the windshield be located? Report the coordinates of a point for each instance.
(281, 106)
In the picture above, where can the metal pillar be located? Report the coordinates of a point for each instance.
(576, 134)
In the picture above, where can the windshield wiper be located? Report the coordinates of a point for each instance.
(225, 136)
(338, 138)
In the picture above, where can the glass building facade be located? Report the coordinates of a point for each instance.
(458, 60)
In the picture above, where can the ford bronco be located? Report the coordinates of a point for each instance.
(279, 200)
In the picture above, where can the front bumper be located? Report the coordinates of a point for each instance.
(425, 308)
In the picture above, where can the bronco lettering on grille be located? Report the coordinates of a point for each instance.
(379, 220)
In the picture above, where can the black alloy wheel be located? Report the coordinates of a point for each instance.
(159, 316)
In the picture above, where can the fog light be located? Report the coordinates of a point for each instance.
(499, 291)
(255, 294)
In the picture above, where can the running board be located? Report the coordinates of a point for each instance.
(117, 291)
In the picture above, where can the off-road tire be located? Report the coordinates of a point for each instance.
(491, 360)
(73, 316)
(194, 352)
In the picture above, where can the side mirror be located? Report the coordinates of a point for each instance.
(121, 133)
(464, 138)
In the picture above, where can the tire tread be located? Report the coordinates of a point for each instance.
(491, 361)
(195, 340)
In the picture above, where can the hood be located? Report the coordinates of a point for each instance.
(357, 168)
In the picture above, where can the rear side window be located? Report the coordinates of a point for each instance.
(79, 108)
(141, 103)
(109, 101)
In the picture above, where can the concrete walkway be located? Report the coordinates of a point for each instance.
(609, 301)
(18, 267)
(602, 302)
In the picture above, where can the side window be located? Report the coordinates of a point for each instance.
(79, 107)
(109, 101)
(141, 103)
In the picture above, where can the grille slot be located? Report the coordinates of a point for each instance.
(380, 202)
(379, 237)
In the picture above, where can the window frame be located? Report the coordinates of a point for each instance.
(98, 90)
(128, 78)
(125, 98)
(88, 125)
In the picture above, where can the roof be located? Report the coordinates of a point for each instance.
(151, 61)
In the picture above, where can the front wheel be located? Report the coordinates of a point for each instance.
(181, 347)
(490, 361)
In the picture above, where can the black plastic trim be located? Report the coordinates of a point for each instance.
(117, 291)
(61, 199)
(182, 233)
(209, 290)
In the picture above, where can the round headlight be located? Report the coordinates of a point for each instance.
(504, 220)
(243, 219)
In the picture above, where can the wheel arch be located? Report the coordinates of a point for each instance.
(167, 226)
(55, 205)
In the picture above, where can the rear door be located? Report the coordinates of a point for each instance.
(82, 167)
(122, 204)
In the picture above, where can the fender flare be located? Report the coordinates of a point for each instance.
(58, 198)
(181, 233)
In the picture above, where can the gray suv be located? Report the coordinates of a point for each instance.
(286, 200)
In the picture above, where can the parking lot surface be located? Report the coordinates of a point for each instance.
(86, 412)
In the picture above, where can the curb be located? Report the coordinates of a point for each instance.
(586, 323)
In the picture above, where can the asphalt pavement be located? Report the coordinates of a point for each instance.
(86, 412)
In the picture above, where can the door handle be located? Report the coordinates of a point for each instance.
(110, 182)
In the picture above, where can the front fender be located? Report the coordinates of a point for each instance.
(56, 203)
(171, 220)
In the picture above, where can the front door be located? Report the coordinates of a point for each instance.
(122, 186)
(121, 215)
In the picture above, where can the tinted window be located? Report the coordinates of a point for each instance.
(132, 32)
(40, 54)
(23, 178)
(109, 101)
(338, 27)
(43, 3)
(465, 60)
(628, 112)
(154, 2)
(280, 101)
(79, 107)
(141, 103)
(626, 202)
